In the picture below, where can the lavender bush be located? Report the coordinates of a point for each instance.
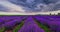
(30, 23)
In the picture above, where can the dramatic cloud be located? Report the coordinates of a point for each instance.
(32, 5)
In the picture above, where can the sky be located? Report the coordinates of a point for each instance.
(30, 5)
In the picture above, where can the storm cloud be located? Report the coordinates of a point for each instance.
(33, 5)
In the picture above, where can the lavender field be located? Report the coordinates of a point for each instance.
(30, 23)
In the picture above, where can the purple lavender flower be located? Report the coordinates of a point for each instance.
(30, 23)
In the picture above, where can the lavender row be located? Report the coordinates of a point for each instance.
(12, 21)
(53, 23)
(30, 26)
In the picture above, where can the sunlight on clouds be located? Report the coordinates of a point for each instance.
(12, 7)
(37, 8)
